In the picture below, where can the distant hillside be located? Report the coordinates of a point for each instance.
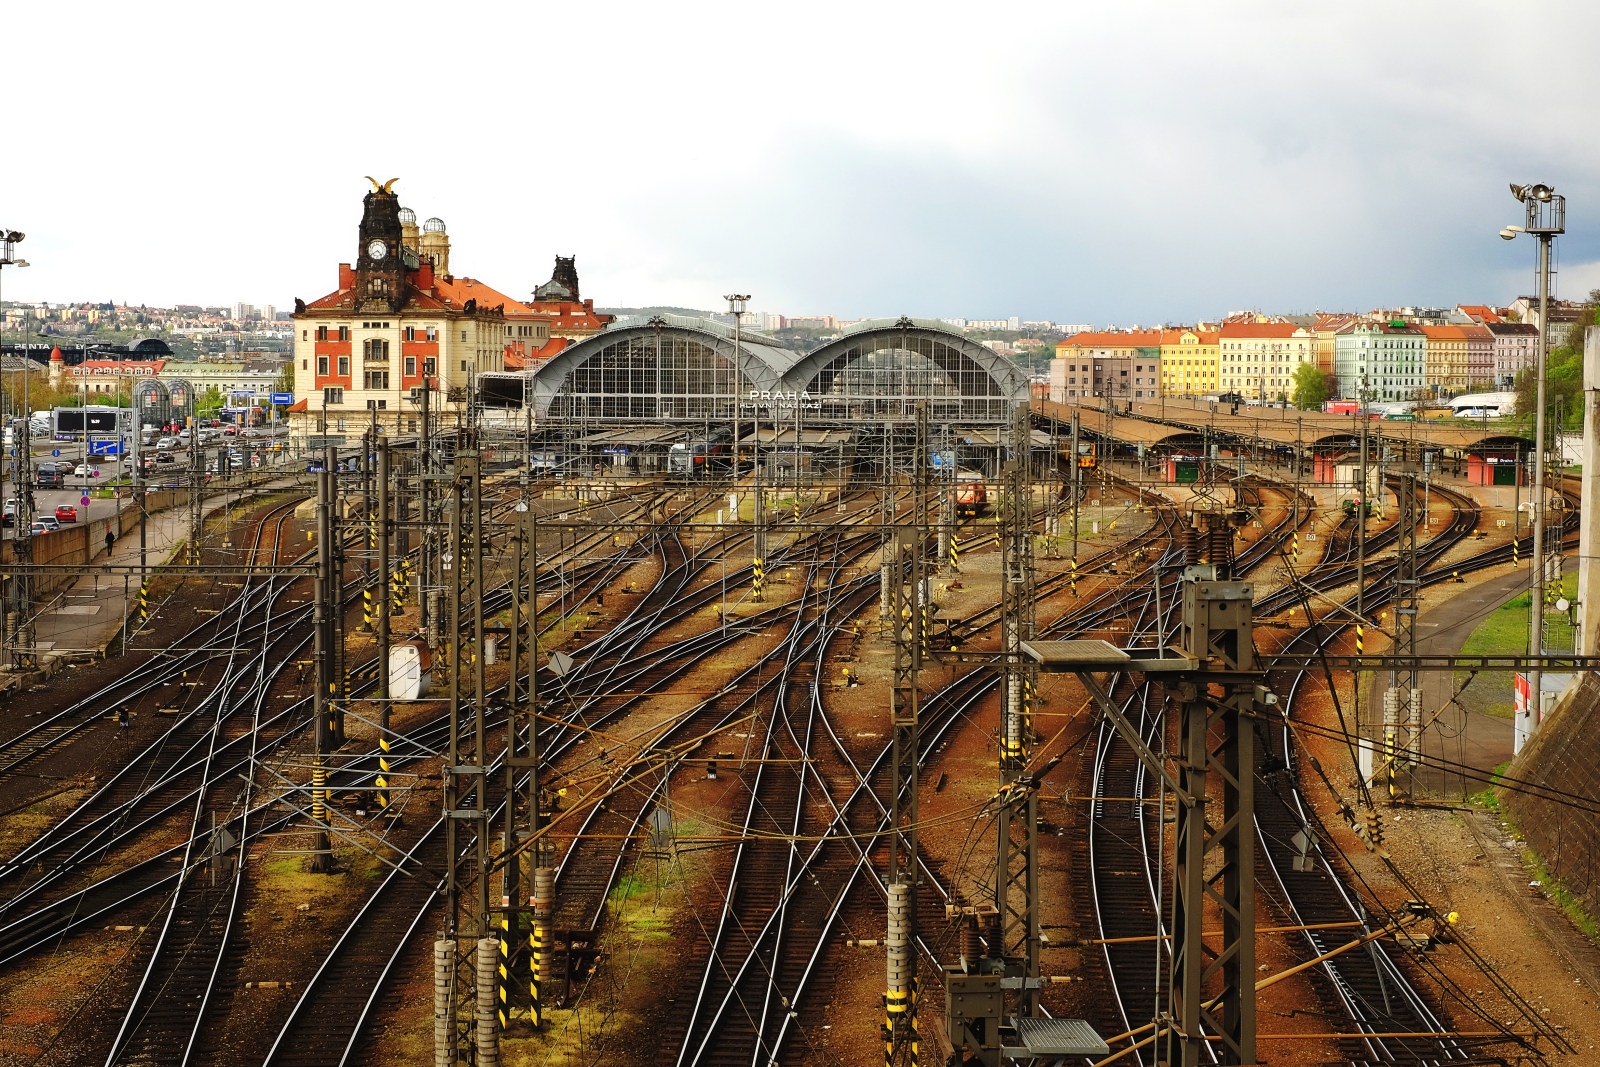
(647, 312)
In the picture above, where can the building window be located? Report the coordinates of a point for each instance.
(344, 366)
(411, 333)
(322, 366)
(411, 426)
(322, 333)
(463, 335)
(375, 350)
(344, 333)
(411, 367)
(305, 364)
(430, 366)
(305, 335)
(433, 333)
(332, 394)
(463, 364)
(376, 379)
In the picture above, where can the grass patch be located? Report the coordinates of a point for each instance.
(1506, 628)
(1560, 896)
(1488, 797)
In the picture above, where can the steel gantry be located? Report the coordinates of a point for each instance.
(1016, 876)
(908, 546)
(1402, 704)
(1211, 1005)
(465, 987)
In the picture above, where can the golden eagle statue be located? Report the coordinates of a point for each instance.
(382, 187)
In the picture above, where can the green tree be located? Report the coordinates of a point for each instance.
(1310, 387)
(211, 402)
(285, 382)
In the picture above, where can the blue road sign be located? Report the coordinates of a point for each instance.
(105, 448)
(84, 500)
(55, 451)
(283, 398)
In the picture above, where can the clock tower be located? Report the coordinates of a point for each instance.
(380, 263)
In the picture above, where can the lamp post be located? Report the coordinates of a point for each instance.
(15, 625)
(1544, 217)
(736, 305)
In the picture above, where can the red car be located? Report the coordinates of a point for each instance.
(66, 513)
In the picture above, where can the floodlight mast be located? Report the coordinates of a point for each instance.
(1544, 218)
(15, 618)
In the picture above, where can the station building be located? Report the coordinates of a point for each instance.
(401, 321)
(628, 394)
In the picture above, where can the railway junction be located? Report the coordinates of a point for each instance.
(685, 700)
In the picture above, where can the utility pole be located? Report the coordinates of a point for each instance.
(197, 474)
(1016, 875)
(466, 800)
(902, 1039)
(1077, 491)
(1362, 503)
(385, 534)
(1213, 987)
(18, 622)
(428, 593)
(325, 707)
(1544, 217)
(524, 818)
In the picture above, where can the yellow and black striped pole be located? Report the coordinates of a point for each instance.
(144, 602)
(366, 608)
(538, 935)
(1074, 575)
(383, 772)
(1027, 705)
(758, 581)
(503, 982)
(916, 1031)
(319, 792)
(955, 552)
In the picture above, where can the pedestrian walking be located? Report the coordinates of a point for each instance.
(111, 539)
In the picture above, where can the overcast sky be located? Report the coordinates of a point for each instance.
(1084, 162)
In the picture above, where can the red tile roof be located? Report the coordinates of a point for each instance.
(457, 291)
(1109, 339)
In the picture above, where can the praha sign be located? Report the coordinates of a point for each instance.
(782, 400)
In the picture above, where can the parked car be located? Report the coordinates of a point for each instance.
(10, 514)
(66, 513)
(230, 430)
(50, 475)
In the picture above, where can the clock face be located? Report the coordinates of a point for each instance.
(377, 249)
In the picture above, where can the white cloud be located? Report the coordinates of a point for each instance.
(1135, 161)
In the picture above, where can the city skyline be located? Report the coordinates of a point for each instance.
(1104, 166)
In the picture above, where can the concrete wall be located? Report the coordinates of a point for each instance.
(1589, 525)
(78, 544)
(1562, 756)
